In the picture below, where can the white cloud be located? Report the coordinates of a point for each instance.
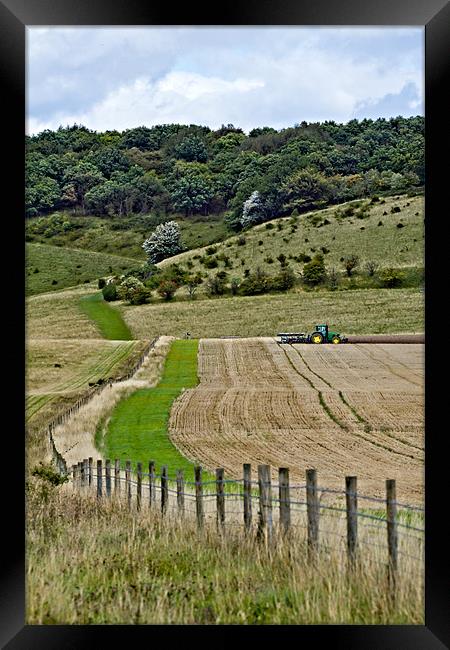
(121, 78)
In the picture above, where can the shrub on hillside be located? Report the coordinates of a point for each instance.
(284, 280)
(391, 278)
(215, 286)
(209, 262)
(256, 283)
(167, 288)
(314, 271)
(133, 290)
(101, 283)
(333, 279)
(350, 264)
(109, 292)
(371, 267)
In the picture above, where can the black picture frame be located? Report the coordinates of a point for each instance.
(15, 16)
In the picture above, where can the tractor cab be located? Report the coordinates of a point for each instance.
(323, 329)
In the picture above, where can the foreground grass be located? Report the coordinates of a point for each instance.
(49, 267)
(108, 320)
(374, 311)
(98, 563)
(137, 428)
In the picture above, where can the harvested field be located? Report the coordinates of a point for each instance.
(354, 410)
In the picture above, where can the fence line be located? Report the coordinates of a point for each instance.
(277, 511)
(57, 456)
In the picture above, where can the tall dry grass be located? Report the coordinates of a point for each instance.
(97, 562)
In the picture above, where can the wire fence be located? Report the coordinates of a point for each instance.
(393, 535)
(63, 417)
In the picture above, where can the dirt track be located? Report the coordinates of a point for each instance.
(388, 338)
(354, 409)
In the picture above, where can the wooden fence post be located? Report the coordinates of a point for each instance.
(312, 507)
(247, 496)
(352, 518)
(180, 491)
(199, 495)
(74, 476)
(139, 486)
(265, 503)
(164, 489)
(116, 476)
(99, 478)
(151, 483)
(108, 477)
(90, 472)
(85, 474)
(128, 481)
(284, 496)
(392, 534)
(220, 497)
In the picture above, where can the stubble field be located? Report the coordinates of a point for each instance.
(355, 409)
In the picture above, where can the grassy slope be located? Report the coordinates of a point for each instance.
(374, 311)
(386, 244)
(137, 429)
(108, 319)
(57, 315)
(96, 234)
(68, 267)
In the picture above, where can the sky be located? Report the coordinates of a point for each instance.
(108, 78)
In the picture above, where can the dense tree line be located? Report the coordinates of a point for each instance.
(174, 169)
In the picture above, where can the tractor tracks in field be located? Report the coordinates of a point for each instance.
(352, 430)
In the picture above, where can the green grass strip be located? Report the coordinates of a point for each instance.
(108, 320)
(138, 427)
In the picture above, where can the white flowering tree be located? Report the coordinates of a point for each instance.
(164, 242)
(252, 211)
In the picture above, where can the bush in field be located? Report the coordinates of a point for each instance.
(167, 288)
(314, 271)
(192, 282)
(333, 279)
(350, 264)
(132, 290)
(284, 280)
(256, 283)
(110, 292)
(391, 277)
(215, 286)
(164, 242)
(371, 267)
(234, 286)
(209, 262)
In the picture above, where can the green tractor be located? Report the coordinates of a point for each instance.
(321, 334)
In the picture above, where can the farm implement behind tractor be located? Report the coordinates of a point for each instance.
(320, 335)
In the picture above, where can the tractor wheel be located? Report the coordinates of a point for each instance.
(336, 339)
(316, 337)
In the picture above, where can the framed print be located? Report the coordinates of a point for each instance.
(225, 300)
